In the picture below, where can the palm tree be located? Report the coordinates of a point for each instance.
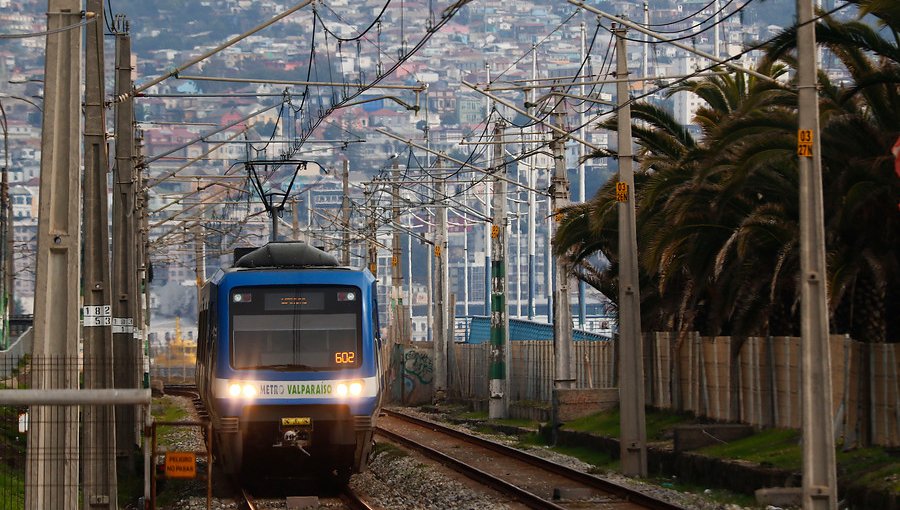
(717, 219)
(859, 125)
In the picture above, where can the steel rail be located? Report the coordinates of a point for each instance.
(352, 500)
(527, 498)
(598, 483)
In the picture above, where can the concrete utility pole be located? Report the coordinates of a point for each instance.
(409, 278)
(99, 421)
(442, 317)
(633, 441)
(52, 479)
(819, 478)
(199, 260)
(562, 313)
(372, 237)
(582, 305)
(498, 404)
(6, 233)
(645, 50)
(487, 211)
(125, 348)
(532, 202)
(145, 238)
(345, 215)
(465, 222)
(716, 37)
(137, 239)
(396, 253)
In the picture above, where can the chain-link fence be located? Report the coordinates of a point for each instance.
(58, 441)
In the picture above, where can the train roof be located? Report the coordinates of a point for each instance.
(287, 255)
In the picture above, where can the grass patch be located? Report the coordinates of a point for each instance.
(600, 460)
(718, 495)
(12, 486)
(521, 423)
(473, 415)
(778, 448)
(870, 467)
(166, 409)
(659, 423)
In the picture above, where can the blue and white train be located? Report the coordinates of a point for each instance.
(288, 361)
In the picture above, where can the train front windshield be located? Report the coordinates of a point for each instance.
(297, 328)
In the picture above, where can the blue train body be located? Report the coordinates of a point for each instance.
(289, 361)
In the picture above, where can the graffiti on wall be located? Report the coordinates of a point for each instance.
(411, 375)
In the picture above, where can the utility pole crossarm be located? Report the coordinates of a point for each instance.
(203, 137)
(515, 108)
(441, 155)
(302, 83)
(154, 182)
(635, 26)
(217, 49)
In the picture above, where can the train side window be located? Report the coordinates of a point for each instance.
(375, 324)
(202, 332)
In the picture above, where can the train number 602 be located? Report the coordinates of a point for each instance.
(344, 357)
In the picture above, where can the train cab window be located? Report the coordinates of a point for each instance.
(297, 328)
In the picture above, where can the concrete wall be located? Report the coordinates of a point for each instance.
(411, 374)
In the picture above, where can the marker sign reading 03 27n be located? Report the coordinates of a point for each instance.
(621, 191)
(805, 143)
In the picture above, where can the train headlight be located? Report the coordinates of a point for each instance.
(245, 390)
(350, 388)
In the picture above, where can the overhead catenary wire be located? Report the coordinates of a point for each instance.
(686, 36)
(90, 19)
(633, 99)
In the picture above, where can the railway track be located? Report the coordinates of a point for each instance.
(534, 481)
(243, 497)
(347, 499)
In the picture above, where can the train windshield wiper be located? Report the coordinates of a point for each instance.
(291, 366)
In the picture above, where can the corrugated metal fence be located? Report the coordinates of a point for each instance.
(531, 369)
(751, 380)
